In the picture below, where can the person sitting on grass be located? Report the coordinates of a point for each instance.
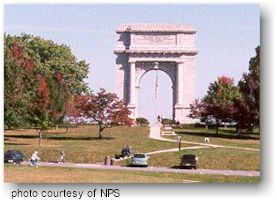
(128, 150)
(123, 152)
(35, 159)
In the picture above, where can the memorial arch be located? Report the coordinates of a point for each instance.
(166, 47)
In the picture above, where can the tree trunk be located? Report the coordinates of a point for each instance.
(206, 125)
(237, 129)
(217, 126)
(250, 130)
(57, 127)
(39, 137)
(101, 129)
(66, 129)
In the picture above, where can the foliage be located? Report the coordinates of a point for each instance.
(166, 121)
(104, 108)
(40, 78)
(142, 121)
(228, 103)
(248, 106)
(218, 104)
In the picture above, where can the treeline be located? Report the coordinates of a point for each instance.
(227, 102)
(41, 79)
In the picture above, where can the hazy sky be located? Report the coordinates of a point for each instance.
(226, 38)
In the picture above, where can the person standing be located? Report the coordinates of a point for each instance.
(179, 142)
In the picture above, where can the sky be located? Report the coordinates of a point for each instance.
(226, 37)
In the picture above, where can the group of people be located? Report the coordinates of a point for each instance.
(126, 151)
(35, 158)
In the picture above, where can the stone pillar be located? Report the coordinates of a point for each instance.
(180, 82)
(132, 90)
(189, 83)
(179, 106)
(137, 101)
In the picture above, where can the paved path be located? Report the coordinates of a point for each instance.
(153, 169)
(155, 133)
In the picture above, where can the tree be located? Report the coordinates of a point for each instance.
(40, 110)
(218, 103)
(142, 121)
(198, 110)
(104, 108)
(25, 59)
(19, 84)
(248, 106)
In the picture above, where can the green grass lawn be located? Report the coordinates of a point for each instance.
(212, 158)
(23, 174)
(225, 137)
(81, 145)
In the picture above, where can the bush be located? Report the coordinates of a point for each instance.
(166, 121)
(141, 121)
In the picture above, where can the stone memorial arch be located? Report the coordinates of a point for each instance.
(166, 47)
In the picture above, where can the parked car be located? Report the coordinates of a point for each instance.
(188, 161)
(13, 156)
(140, 159)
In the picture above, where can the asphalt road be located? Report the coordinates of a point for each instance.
(153, 169)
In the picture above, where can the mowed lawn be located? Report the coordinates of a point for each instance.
(81, 145)
(212, 158)
(226, 137)
(208, 158)
(25, 174)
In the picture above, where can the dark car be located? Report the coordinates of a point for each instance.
(13, 156)
(188, 161)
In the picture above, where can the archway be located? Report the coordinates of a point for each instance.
(168, 47)
(155, 95)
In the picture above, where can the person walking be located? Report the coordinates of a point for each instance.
(62, 157)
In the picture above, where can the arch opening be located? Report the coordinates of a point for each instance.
(155, 95)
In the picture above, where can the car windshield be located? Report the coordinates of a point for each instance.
(139, 156)
(188, 156)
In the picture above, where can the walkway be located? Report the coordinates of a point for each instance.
(153, 169)
(155, 131)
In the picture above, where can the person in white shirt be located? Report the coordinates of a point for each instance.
(34, 159)
(62, 157)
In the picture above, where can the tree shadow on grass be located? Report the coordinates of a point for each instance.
(12, 144)
(22, 136)
(77, 138)
(60, 137)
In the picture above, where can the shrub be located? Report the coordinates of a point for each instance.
(141, 121)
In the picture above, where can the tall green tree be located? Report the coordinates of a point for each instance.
(19, 83)
(218, 102)
(248, 106)
(29, 63)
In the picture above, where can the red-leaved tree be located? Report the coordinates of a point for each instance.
(104, 108)
(218, 102)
